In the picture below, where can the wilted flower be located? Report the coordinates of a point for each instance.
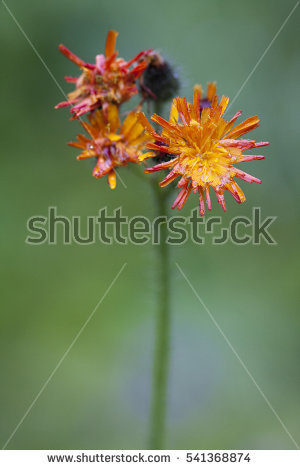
(109, 80)
(205, 149)
(110, 142)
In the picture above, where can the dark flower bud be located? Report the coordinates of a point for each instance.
(159, 81)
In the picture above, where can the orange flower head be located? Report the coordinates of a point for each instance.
(205, 148)
(111, 143)
(109, 80)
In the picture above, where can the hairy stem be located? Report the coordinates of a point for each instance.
(162, 340)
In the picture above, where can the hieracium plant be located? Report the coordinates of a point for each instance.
(197, 147)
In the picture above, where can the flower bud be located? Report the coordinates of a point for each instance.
(159, 81)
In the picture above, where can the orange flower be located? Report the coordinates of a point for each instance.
(110, 147)
(205, 148)
(109, 80)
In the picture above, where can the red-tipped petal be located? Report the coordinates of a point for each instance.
(139, 56)
(184, 198)
(170, 177)
(182, 182)
(201, 201)
(179, 197)
(159, 148)
(74, 58)
(249, 158)
(246, 177)
(63, 104)
(161, 166)
(221, 200)
(71, 79)
(208, 201)
(139, 69)
(261, 144)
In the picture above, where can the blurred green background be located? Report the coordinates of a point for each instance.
(99, 397)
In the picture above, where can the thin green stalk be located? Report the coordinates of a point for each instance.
(162, 340)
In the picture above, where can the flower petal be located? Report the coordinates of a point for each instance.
(110, 43)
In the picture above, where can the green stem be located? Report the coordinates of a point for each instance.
(162, 340)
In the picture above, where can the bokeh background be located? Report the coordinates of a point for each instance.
(99, 397)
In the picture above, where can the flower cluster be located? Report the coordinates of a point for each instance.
(197, 144)
(99, 92)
